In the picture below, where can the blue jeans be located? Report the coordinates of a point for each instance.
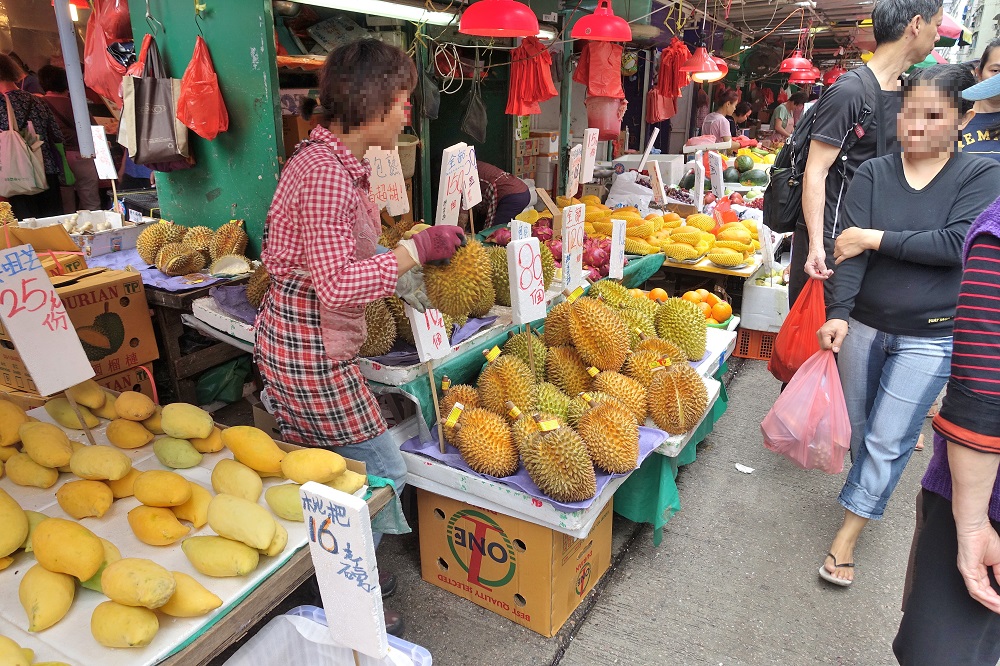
(382, 458)
(890, 381)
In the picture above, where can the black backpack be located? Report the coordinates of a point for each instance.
(783, 195)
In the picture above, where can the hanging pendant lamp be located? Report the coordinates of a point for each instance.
(602, 26)
(705, 76)
(700, 64)
(498, 18)
(802, 78)
(833, 74)
(795, 63)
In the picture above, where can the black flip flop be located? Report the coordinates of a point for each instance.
(830, 578)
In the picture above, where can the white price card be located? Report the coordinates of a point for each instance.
(574, 168)
(656, 181)
(339, 529)
(589, 154)
(616, 269)
(102, 154)
(429, 333)
(388, 187)
(519, 230)
(699, 182)
(715, 168)
(37, 323)
(572, 245)
(527, 286)
(451, 187)
(472, 191)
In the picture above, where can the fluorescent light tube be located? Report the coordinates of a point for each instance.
(390, 10)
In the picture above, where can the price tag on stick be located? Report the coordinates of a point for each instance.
(452, 185)
(519, 230)
(343, 553)
(575, 166)
(572, 246)
(527, 286)
(616, 269)
(699, 182)
(472, 191)
(656, 180)
(589, 154)
(429, 334)
(715, 168)
(37, 323)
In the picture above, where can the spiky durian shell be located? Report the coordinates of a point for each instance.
(517, 345)
(403, 329)
(485, 442)
(599, 335)
(176, 259)
(499, 275)
(6, 213)
(626, 389)
(683, 323)
(610, 292)
(454, 289)
(391, 236)
(611, 436)
(151, 240)
(485, 301)
(565, 369)
(644, 305)
(637, 324)
(548, 265)
(551, 400)
(463, 393)
(557, 325)
(558, 463)
(640, 366)
(175, 233)
(664, 349)
(381, 330)
(578, 405)
(507, 378)
(230, 238)
(199, 239)
(258, 285)
(527, 425)
(677, 399)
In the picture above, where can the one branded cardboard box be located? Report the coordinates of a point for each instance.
(527, 573)
(136, 379)
(109, 312)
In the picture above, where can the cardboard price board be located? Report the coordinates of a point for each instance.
(572, 247)
(616, 269)
(575, 166)
(388, 187)
(37, 323)
(102, 154)
(451, 187)
(429, 334)
(715, 168)
(656, 181)
(589, 154)
(527, 286)
(339, 530)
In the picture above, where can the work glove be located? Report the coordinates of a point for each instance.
(411, 289)
(434, 244)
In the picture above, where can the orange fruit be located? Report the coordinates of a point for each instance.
(711, 321)
(722, 311)
(702, 294)
(658, 295)
(711, 299)
(670, 217)
(706, 308)
(691, 296)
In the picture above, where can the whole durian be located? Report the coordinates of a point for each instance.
(457, 393)
(507, 378)
(580, 403)
(558, 463)
(599, 335)
(517, 345)
(199, 239)
(557, 325)
(641, 365)
(391, 236)
(151, 241)
(257, 286)
(230, 238)
(626, 389)
(176, 259)
(609, 291)
(548, 265)
(665, 349)
(677, 399)
(611, 436)
(683, 323)
(485, 301)
(565, 369)
(381, 330)
(483, 439)
(551, 400)
(499, 275)
(638, 325)
(403, 330)
(526, 425)
(456, 287)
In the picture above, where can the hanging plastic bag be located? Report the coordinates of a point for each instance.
(102, 73)
(797, 339)
(430, 95)
(808, 423)
(474, 119)
(200, 106)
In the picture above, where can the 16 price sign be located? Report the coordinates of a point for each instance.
(429, 334)
(527, 287)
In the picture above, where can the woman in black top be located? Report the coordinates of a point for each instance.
(895, 288)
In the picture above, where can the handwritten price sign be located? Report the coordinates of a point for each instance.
(699, 181)
(343, 554)
(429, 334)
(715, 169)
(575, 166)
(527, 287)
(519, 230)
(388, 187)
(102, 154)
(572, 246)
(37, 323)
(589, 154)
(656, 181)
(472, 193)
(617, 267)
(451, 187)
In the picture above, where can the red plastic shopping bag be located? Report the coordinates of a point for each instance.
(797, 339)
(808, 423)
(200, 105)
(102, 73)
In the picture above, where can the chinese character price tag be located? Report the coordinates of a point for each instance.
(472, 192)
(519, 230)
(656, 181)
(699, 181)
(37, 323)
(715, 169)
(429, 334)
(339, 530)
(575, 166)
(527, 287)
(102, 154)
(451, 187)
(589, 154)
(572, 245)
(388, 187)
(617, 267)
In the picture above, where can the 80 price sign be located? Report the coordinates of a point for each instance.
(527, 286)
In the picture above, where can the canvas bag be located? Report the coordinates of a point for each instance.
(22, 166)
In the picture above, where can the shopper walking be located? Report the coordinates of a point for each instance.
(905, 32)
(894, 292)
(982, 135)
(320, 243)
(28, 108)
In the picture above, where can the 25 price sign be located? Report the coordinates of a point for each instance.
(527, 286)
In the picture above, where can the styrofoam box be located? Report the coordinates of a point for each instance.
(671, 166)
(206, 310)
(676, 443)
(764, 307)
(720, 344)
(121, 236)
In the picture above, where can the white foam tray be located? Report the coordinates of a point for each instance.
(208, 311)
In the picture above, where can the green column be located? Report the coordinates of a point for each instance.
(565, 102)
(425, 142)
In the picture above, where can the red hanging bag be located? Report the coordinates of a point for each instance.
(102, 73)
(797, 339)
(200, 105)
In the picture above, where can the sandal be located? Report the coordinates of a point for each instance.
(830, 578)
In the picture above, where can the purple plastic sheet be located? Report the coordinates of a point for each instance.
(404, 354)
(649, 440)
(233, 301)
(151, 276)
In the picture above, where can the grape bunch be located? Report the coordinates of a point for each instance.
(678, 194)
(757, 203)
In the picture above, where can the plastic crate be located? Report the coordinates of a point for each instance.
(754, 344)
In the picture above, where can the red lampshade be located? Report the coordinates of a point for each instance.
(723, 67)
(706, 76)
(802, 78)
(794, 63)
(498, 18)
(833, 74)
(79, 4)
(700, 61)
(602, 26)
(816, 73)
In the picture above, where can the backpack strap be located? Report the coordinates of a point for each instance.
(870, 111)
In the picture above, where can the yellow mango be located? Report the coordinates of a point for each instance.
(111, 554)
(47, 444)
(209, 444)
(349, 482)
(254, 448)
(116, 626)
(65, 546)
(176, 453)
(87, 394)
(134, 406)
(195, 510)
(106, 411)
(100, 463)
(15, 524)
(185, 421)
(153, 424)
(278, 542)
(319, 465)
(220, 557)
(24, 471)
(285, 501)
(6, 562)
(76, 446)
(126, 434)
(191, 598)
(11, 419)
(34, 518)
(235, 478)
(156, 526)
(12, 654)
(133, 581)
(242, 520)
(85, 499)
(6, 453)
(60, 410)
(162, 488)
(46, 596)
(125, 486)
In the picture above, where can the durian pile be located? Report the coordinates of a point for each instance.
(605, 363)
(179, 250)
(7, 214)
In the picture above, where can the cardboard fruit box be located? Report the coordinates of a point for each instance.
(136, 379)
(109, 312)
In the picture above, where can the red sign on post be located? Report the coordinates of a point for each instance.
(527, 286)
(429, 334)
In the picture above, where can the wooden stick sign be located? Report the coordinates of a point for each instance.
(715, 169)
(527, 286)
(343, 553)
(656, 182)
(572, 245)
(429, 334)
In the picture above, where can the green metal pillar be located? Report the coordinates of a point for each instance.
(565, 103)
(425, 141)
